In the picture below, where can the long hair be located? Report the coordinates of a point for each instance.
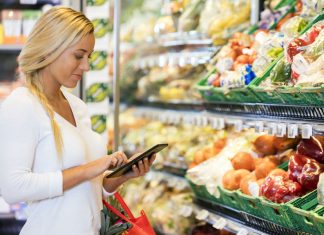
(55, 31)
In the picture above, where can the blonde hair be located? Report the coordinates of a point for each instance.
(55, 31)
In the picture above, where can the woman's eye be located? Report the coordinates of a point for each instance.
(78, 57)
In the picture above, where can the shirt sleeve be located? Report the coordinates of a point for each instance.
(19, 134)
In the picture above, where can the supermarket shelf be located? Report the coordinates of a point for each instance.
(11, 47)
(173, 169)
(198, 116)
(252, 224)
(252, 110)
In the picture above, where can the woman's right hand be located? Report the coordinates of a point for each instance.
(115, 159)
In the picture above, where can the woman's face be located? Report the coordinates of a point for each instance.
(68, 68)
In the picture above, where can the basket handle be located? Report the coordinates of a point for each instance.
(124, 205)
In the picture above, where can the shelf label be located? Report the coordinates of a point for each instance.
(221, 123)
(220, 223)
(259, 127)
(238, 125)
(281, 129)
(307, 131)
(292, 130)
(202, 214)
(242, 231)
(272, 128)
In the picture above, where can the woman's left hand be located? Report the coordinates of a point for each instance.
(141, 168)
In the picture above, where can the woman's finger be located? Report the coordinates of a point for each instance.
(135, 170)
(146, 165)
(141, 168)
(152, 158)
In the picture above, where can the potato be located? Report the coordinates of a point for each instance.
(243, 160)
(232, 179)
(263, 169)
(265, 144)
(244, 185)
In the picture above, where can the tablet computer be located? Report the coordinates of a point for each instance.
(128, 166)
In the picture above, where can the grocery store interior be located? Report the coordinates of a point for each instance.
(234, 87)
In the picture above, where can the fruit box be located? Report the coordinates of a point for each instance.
(300, 212)
(318, 219)
(217, 94)
(201, 192)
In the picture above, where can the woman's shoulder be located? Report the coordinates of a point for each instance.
(19, 99)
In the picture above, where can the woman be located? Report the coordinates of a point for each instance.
(50, 157)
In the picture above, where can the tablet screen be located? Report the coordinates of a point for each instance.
(128, 166)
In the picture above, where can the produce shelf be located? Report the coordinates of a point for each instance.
(245, 219)
(276, 120)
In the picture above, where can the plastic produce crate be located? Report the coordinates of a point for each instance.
(249, 204)
(243, 94)
(229, 198)
(299, 211)
(201, 192)
(313, 95)
(277, 213)
(265, 94)
(210, 93)
(318, 219)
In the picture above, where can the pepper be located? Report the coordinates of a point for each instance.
(313, 148)
(279, 189)
(305, 171)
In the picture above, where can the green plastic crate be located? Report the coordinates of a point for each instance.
(242, 95)
(318, 219)
(250, 204)
(276, 213)
(229, 198)
(300, 212)
(292, 95)
(210, 93)
(201, 192)
(313, 95)
(283, 3)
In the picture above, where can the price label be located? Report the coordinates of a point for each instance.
(292, 130)
(202, 214)
(281, 129)
(259, 127)
(242, 231)
(220, 223)
(204, 120)
(28, 2)
(238, 125)
(221, 123)
(307, 131)
(272, 128)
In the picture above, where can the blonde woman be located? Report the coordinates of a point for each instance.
(49, 155)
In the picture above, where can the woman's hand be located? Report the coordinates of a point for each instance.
(115, 159)
(141, 168)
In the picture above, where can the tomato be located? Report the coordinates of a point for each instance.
(295, 47)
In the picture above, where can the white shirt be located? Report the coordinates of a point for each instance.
(31, 171)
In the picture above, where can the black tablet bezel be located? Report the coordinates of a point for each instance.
(128, 166)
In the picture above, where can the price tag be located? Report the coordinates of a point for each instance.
(198, 120)
(28, 2)
(238, 125)
(281, 130)
(162, 60)
(213, 122)
(307, 131)
(220, 223)
(202, 214)
(259, 127)
(292, 130)
(272, 128)
(204, 120)
(221, 123)
(182, 61)
(242, 231)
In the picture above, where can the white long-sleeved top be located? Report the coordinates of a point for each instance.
(31, 171)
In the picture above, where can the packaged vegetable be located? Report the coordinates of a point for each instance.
(281, 72)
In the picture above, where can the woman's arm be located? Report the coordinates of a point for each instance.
(111, 184)
(76, 175)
